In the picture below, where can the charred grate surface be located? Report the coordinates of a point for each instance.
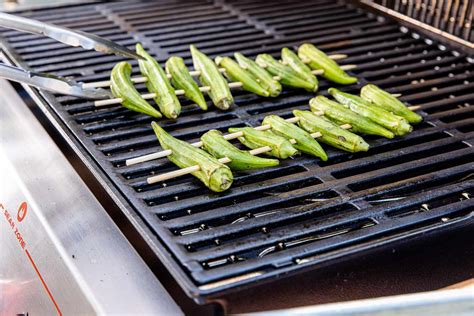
(304, 212)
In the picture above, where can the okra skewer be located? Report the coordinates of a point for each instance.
(197, 73)
(396, 124)
(159, 84)
(215, 175)
(232, 85)
(164, 153)
(188, 170)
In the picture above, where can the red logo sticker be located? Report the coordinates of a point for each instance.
(22, 211)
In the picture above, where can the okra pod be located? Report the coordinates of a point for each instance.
(290, 58)
(280, 146)
(210, 76)
(158, 83)
(287, 76)
(331, 134)
(181, 79)
(236, 73)
(385, 100)
(342, 115)
(264, 78)
(304, 141)
(215, 144)
(122, 87)
(396, 124)
(215, 175)
(316, 59)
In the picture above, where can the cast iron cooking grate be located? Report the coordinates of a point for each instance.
(304, 212)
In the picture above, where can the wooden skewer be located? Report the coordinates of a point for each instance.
(254, 152)
(195, 73)
(165, 153)
(232, 85)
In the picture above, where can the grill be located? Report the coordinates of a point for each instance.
(303, 214)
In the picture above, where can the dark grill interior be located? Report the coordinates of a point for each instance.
(305, 211)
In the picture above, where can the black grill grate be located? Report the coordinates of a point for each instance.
(303, 212)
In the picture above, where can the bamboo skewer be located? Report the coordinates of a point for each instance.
(254, 152)
(232, 85)
(194, 73)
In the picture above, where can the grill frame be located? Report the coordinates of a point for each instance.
(50, 105)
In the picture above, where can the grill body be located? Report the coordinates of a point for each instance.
(303, 214)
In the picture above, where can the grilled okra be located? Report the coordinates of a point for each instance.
(215, 144)
(264, 78)
(291, 59)
(342, 115)
(159, 84)
(331, 133)
(396, 124)
(181, 79)
(215, 175)
(286, 75)
(234, 72)
(210, 76)
(280, 146)
(317, 59)
(304, 141)
(385, 100)
(122, 87)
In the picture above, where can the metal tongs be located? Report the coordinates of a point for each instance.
(66, 36)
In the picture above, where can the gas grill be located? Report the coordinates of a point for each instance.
(303, 215)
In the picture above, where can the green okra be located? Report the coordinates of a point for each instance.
(214, 174)
(234, 72)
(396, 124)
(385, 100)
(181, 79)
(159, 84)
(304, 141)
(291, 59)
(215, 144)
(286, 75)
(264, 78)
(280, 146)
(316, 59)
(331, 134)
(342, 115)
(122, 87)
(210, 76)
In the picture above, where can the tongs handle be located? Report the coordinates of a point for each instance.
(51, 83)
(65, 35)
